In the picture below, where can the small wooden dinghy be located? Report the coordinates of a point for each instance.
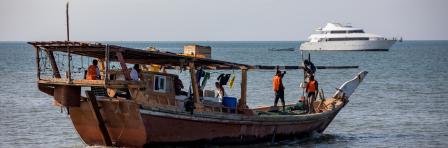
(281, 49)
(149, 111)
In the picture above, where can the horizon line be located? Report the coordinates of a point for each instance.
(192, 40)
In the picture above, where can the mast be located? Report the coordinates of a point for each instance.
(106, 71)
(67, 22)
(69, 75)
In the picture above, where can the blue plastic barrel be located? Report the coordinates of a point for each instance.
(229, 102)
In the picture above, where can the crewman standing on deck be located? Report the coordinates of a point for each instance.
(279, 89)
(311, 89)
(93, 72)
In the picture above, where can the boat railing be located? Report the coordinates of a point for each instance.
(94, 83)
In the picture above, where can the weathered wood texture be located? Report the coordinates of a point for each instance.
(123, 66)
(93, 104)
(242, 102)
(266, 67)
(122, 119)
(67, 95)
(37, 61)
(195, 86)
(228, 128)
(147, 96)
(131, 55)
(54, 66)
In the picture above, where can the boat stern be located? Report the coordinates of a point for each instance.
(122, 119)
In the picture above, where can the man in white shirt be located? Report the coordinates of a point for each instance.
(220, 92)
(134, 72)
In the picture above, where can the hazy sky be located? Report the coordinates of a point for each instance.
(211, 20)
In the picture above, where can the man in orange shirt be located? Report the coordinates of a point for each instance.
(93, 72)
(311, 89)
(279, 89)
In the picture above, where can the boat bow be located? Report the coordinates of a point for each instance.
(347, 89)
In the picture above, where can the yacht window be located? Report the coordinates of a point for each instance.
(159, 83)
(356, 31)
(338, 31)
(347, 39)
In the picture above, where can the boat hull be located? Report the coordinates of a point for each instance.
(122, 119)
(131, 124)
(163, 128)
(367, 45)
(128, 125)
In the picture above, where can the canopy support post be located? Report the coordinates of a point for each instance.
(37, 61)
(69, 58)
(106, 71)
(124, 68)
(197, 102)
(101, 66)
(242, 102)
(54, 67)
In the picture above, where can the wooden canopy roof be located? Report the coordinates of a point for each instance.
(131, 55)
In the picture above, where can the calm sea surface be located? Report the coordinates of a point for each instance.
(403, 101)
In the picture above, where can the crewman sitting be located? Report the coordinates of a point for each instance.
(135, 72)
(93, 72)
(178, 86)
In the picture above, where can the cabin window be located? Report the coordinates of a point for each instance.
(347, 39)
(159, 83)
(356, 31)
(338, 31)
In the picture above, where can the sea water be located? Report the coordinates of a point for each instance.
(402, 102)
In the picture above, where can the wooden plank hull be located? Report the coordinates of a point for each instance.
(165, 128)
(123, 122)
(130, 126)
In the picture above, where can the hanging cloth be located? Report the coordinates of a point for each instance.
(199, 74)
(223, 79)
(204, 81)
(231, 81)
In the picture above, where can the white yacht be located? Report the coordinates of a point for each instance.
(335, 36)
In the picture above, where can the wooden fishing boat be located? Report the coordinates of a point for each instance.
(152, 113)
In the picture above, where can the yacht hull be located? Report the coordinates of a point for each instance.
(367, 45)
